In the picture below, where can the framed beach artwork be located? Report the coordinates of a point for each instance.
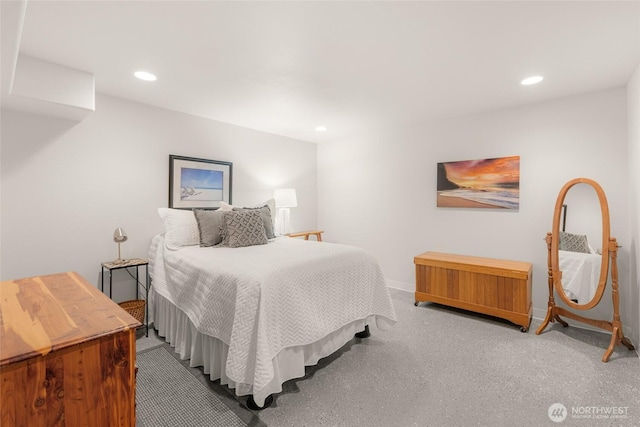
(485, 183)
(198, 183)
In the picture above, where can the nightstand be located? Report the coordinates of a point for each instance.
(306, 234)
(134, 262)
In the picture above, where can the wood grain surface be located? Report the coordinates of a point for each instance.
(67, 354)
(47, 313)
(500, 288)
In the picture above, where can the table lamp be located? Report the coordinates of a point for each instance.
(119, 236)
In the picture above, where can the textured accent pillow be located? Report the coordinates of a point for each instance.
(209, 226)
(271, 203)
(180, 228)
(267, 219)
(242, 228)
(573, 243)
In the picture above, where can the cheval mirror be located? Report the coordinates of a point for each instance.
(577, 272)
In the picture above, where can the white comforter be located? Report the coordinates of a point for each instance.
(580, 274)
(261, 299)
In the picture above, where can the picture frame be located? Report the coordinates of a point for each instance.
(199, 183)
(492, 183)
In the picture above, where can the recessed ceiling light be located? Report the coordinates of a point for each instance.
(145, 75)
(321, 128)
(531, 80)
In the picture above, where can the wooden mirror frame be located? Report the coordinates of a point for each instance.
(609, 254)
(555, 239)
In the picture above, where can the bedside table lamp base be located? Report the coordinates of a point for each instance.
(285, 198)
(284, 220)
(119, 260)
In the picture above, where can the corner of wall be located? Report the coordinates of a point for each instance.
(633, 123)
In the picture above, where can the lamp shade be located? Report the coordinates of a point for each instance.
(119, 235)
(285, 198)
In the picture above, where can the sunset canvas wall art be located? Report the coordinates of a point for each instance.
(485, 183)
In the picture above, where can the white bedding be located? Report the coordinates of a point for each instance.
(580, 274)
(260, 300)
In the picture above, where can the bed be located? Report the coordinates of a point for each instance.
(580, 265)
(255, 316)
(580, 274)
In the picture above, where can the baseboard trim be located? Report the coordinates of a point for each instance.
(401, 286)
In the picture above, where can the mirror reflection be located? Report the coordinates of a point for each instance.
(580, 243)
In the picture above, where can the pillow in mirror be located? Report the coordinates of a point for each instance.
(574, 243)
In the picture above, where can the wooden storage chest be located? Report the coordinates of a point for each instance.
(495, 287)
(68, 355)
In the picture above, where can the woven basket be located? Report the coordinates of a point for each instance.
(135, 308)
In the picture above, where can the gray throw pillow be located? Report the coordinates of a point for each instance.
(573, 243)
(208, 226)
(242, 228)
(265, 212)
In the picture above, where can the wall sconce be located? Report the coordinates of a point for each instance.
(285, 199)
(119, 236)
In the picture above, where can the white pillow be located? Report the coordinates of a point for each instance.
(226, 207)
(180, 228)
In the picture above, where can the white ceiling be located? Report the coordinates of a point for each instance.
(286, 67)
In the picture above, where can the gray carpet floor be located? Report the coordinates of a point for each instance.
(161, 377)
(444, 367)
(170, 393)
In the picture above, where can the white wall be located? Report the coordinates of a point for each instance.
(378, 191)
(633, 114)
(66, 185)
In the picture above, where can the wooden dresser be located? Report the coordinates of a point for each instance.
(496, 287)
(67, 354)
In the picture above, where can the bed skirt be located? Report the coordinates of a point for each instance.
(211, 353)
